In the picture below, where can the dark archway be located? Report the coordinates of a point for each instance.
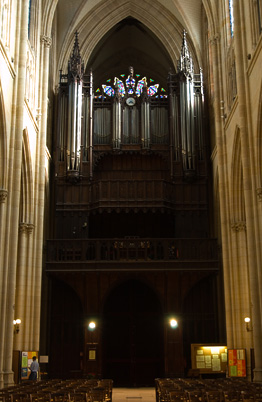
(133, 335)
(66, 331)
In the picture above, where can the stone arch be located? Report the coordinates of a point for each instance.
(217, 216)
(3, 144)
(156, 18)
(238, 202)
(133, 330)
(26, 198)
(258, 156)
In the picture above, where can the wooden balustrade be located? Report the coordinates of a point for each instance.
(130, 249)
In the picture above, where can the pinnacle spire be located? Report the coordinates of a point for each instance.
(185, 62)
(75, 63)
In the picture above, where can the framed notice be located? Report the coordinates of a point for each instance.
(209, 358)
(237, 366)
(92, 354)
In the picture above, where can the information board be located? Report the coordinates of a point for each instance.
(209, 358)
(26, 360)
(237, 363)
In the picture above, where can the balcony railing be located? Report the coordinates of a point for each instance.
(131, 249)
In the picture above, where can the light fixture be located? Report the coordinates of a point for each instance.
(173, 323)
(16, 323)
(247, 321)
(91, 326)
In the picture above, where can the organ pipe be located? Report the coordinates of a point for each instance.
(91, 125)
(75, 80)
(117, 119)
(145, 119)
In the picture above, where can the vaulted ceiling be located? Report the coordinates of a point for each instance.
(114, 34)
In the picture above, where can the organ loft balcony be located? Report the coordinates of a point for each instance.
(131, 254)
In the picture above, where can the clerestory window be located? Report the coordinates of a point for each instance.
(231, 17)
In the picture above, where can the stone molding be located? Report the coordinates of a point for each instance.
(259, 193)
(46, 40)
(215, 39)
(3, 195)
(238, 226)
(26, 228)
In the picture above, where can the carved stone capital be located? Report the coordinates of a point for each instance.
(46, 40)
(215, 39)
(259, 193)
(38, 114)
(26, 228)
(23, 227)
(238, 226)
(3, 195)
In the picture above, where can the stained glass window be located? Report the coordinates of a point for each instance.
(121, 86)
(140, 85)
(153, 89)
(231, 17)
(131, 86)
(259, 12)
(108, 90)
(29, 17)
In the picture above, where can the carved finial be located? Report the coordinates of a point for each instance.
(131, 72)
(75, 64)
(185, 63)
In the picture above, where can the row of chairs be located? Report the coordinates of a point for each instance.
(207, 390)
(59, 391)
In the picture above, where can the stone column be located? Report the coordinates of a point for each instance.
(3, 198)
(223, 185)
(12, 214)
(249, 191)
(40, 197)
(23, 286)
(242, 307)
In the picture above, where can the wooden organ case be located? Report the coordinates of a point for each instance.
(131, 182)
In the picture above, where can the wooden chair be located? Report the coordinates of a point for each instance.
(248, 396)
(214, 396)
(232, 396)
(96, 395)
(177, 396)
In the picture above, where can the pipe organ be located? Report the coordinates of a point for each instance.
(129, 114)
(131, 194)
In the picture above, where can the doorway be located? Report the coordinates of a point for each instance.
(133, 335)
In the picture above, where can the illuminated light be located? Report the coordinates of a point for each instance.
(173, 323)
(247, 321)
(92, 325)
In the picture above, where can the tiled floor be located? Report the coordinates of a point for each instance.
(134, 395)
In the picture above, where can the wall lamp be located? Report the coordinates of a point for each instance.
(247, 321)
(16, 323)
(173, 323)
(91, 325)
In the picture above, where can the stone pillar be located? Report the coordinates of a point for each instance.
(23, 286)
(223, 185)
(248, 184)
(40, 197)
(10, 240)
(242, 307)
(3, 198)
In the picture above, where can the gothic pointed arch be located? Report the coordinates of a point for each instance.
(238, 202)
(259, 146)
(26, 198)
(3, 143)
(92, 30)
